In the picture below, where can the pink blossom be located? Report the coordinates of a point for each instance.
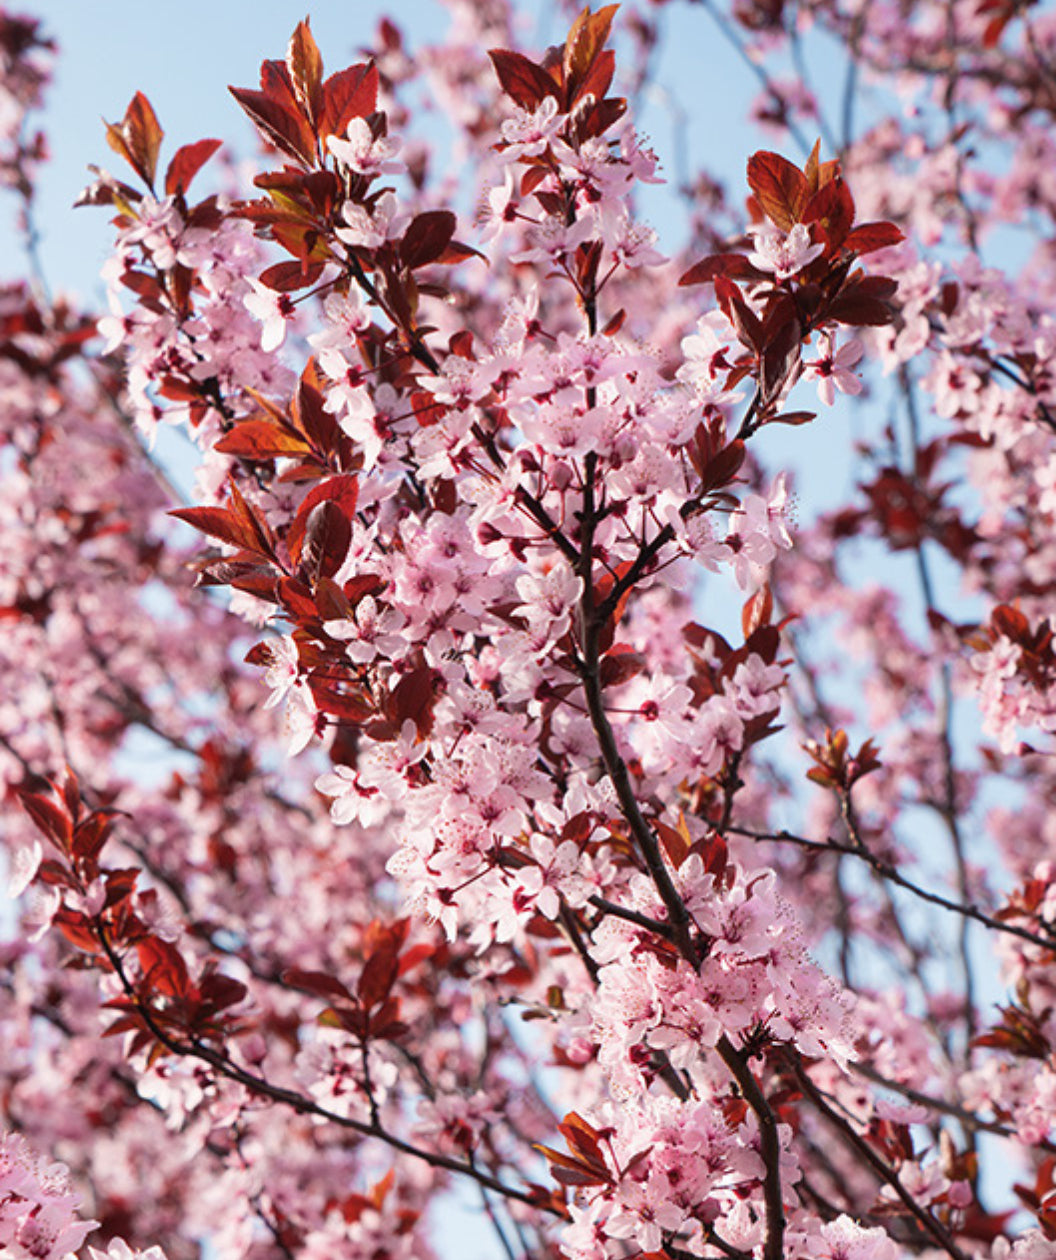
(833, 370)
(364, 153)
(784, 254)
(274, 310)
(527, 134)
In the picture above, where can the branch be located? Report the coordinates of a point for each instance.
(889, 872)
(736, 1062)
(887, 1174)
(300, 1102)
(968, 1119)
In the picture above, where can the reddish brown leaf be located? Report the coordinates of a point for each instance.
(574, 1174)
(793, 417)
(779, 187)
(164, 970)
(781, 354)
(378, 975)
(348, 94)
(282, 127)
(614, 325)
(603, 116)
(355, 708)
(619, 664)
(220, 991)
(581, 1137)
(296, 598)
(49, 818)
(745, 321)
(831, 208)
(869, 236)
(456, 252)
(864, 300)
(812, 167)
(218, 523)
(1010, 622)
(736, 266)
(77, 928)
(599, 78)
(287, 277)
(719, 469)
(137, 138)
(309, 413)
(305, 66)
(317, 982)
(186, 162)
(585, 41)
(674, 843)
(413, 699)
(261, 439)
(757, 610)
(343, 490)
(522, 80)
(570, 1171)
(92, 833)
(327, 535)
(426, 238)
(250, 521)
(255, 579)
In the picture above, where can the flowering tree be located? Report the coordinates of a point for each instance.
(482, 845)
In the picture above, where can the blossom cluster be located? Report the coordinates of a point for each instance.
(545, 670)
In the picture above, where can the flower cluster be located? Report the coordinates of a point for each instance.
(547, 670)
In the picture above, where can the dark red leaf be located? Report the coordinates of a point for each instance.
(864, 300)
(869, 236)
(348, 94)
(426, 238)
(309, 413)
(378, 974)
(779, 187)
(219, 991)
(261, 439)
(317, 982)
(305, 67)
(282, 127)
(53, 821)
(287, 277)
(746, 323)
(832, 209)
(186, 162)
(137, 138)
(164, 970)
(413, 699)
(793, 417)
(327, 535)
(1010, 622)
(522, 80)
(343, 490)
(736, 266)
(92, 833)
